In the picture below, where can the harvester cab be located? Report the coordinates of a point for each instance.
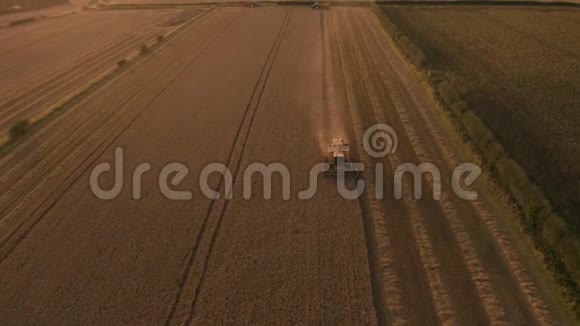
(338, 158)
(317, 5)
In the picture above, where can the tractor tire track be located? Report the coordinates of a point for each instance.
(90, 62)
(98, 142)
(42, 97)
(11, 171)
(75, 59)
(19, 178)
(507, 254)
(39, 80)
(472, 272)
(15, 169)
(390, 304)
(183, 309)
(378, 259)
(381, 103)
(71, 40)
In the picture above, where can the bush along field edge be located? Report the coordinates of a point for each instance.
(551, 236)
(22, 128)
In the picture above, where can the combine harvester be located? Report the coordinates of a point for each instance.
(320, 5)
(339, 160)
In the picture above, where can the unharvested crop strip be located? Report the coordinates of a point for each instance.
(186, 306)
(280, 40)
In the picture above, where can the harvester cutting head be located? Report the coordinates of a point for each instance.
(338, 158)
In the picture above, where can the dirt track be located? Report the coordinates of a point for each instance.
(242, 86)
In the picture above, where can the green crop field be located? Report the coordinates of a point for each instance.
(518, 68)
